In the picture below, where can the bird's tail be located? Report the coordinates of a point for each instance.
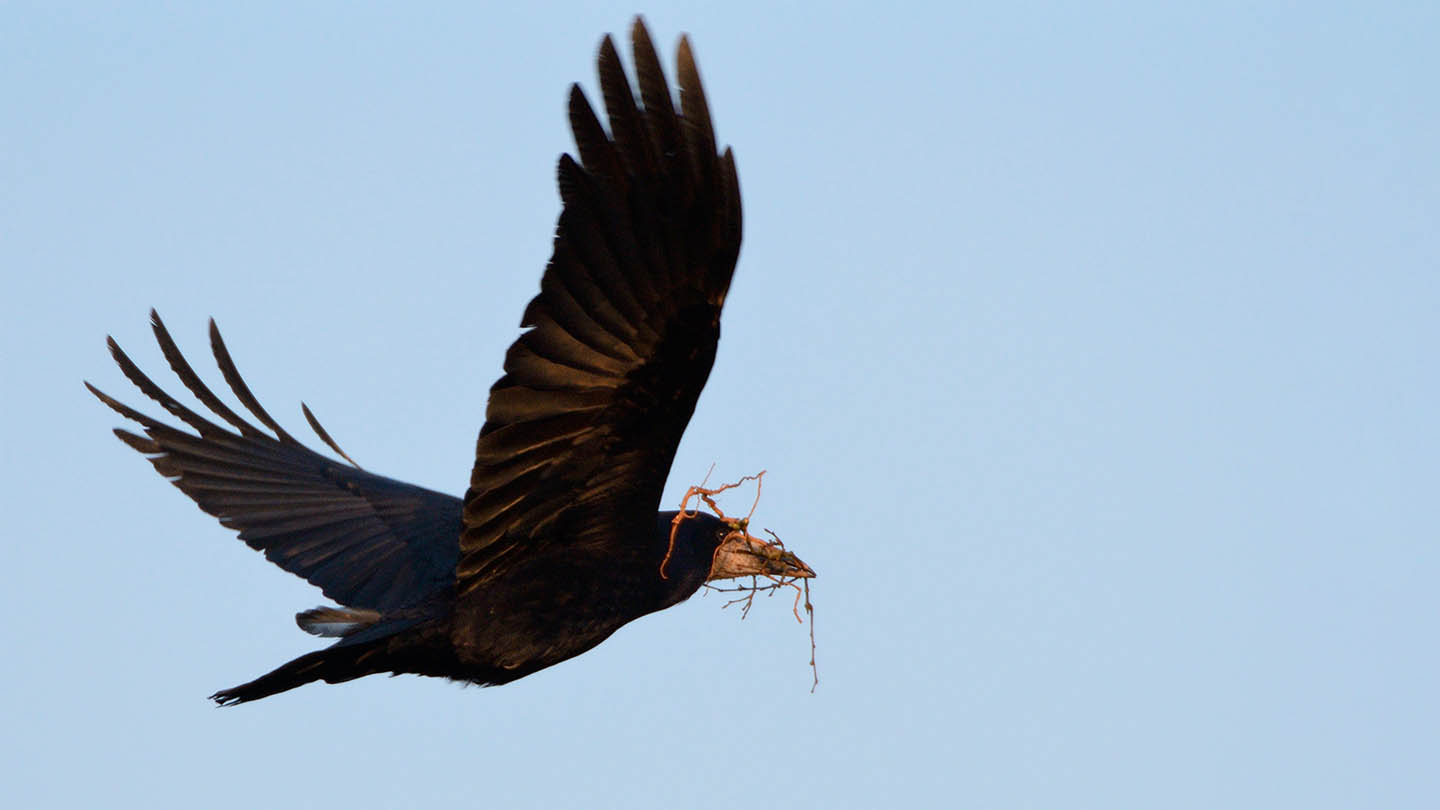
(380, 648)
(332, 665)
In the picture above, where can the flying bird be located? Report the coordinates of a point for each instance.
(557, 542)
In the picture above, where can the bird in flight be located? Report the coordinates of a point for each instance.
(557, 542)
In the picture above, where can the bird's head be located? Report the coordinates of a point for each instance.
(723, 548)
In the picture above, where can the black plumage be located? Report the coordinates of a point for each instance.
(557, 543)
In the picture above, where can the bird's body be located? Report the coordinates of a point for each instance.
(557, 542)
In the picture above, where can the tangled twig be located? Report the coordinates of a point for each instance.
(708, 496)
(740, 526)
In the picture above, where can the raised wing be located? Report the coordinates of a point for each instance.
(581, 430)
(365, 540)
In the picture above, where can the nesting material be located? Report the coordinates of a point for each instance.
(759, 584)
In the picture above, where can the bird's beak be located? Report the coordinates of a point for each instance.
(745, 555)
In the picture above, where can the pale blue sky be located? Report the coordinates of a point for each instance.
(1091, 352)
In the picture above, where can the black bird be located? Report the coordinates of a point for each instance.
(557, 543)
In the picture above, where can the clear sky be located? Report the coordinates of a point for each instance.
(1091, 353)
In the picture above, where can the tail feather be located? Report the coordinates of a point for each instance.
(332, 665)
(397, 646)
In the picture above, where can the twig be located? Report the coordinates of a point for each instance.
(802, 590)
(708, 496)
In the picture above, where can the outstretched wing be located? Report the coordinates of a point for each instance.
(365, 540)
(581, 430)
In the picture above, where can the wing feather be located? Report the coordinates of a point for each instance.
(365, 540)
(582, 428)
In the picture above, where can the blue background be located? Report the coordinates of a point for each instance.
(1091, 351)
